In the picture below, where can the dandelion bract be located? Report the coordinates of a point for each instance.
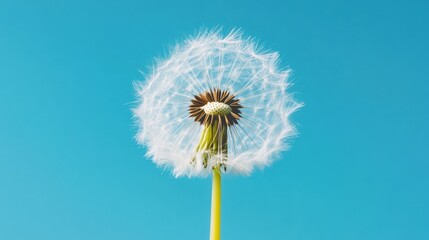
(215, 101)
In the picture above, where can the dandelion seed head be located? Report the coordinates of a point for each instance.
(226, 82)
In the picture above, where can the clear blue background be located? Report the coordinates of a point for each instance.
(70, 169)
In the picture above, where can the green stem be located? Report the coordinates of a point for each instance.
(216, 204)
(213, 142)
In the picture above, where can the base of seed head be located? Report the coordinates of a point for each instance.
(206, 156)
(215, 110)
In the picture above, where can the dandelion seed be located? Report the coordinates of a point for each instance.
(216, 105)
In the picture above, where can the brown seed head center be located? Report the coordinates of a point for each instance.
(215, 106)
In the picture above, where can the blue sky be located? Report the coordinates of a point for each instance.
(70, 169)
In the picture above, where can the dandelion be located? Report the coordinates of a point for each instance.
(217, 105)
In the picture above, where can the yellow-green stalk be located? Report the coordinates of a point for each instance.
(214, 147)
(216, 110)
(216, 205)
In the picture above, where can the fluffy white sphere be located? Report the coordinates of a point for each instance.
(199, 64)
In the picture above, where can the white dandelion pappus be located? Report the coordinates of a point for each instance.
(227, 67)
